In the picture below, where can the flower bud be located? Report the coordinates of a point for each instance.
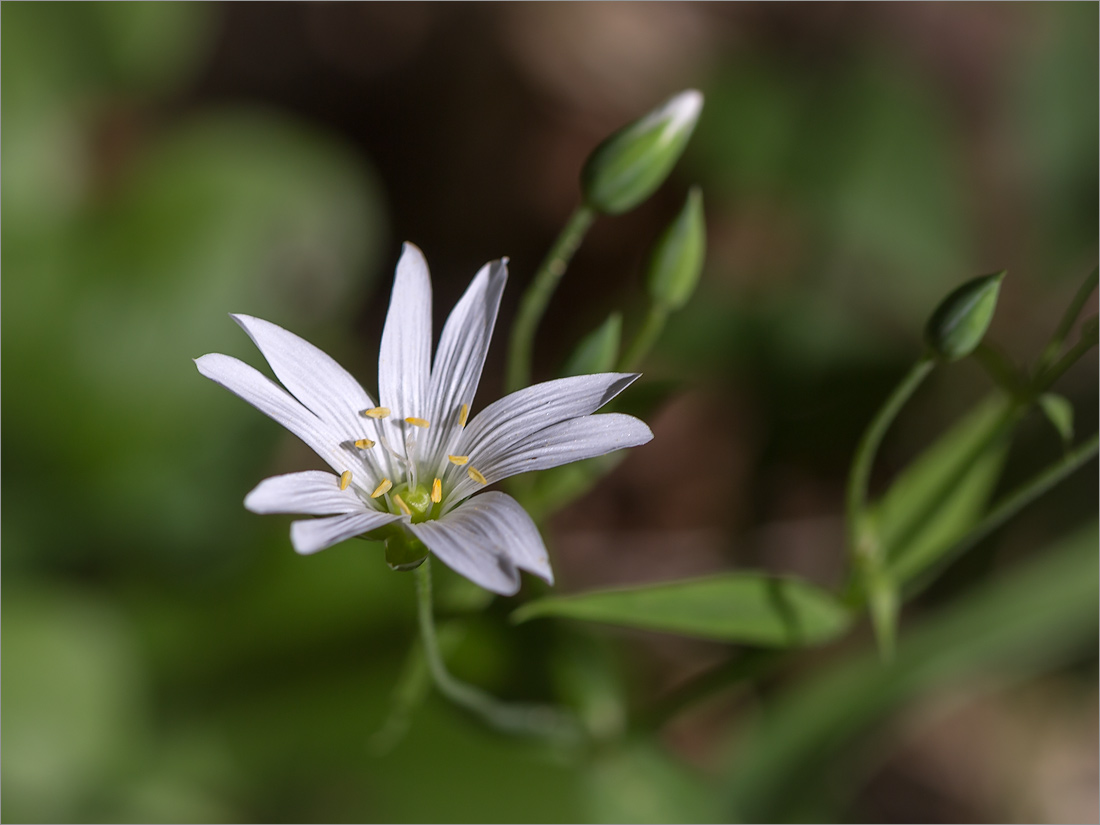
(960, 321)
(677, 259)
(628, 166)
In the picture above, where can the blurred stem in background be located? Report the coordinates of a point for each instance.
(537, 296)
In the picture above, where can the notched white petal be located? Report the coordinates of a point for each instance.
(313, 535)
(313, 492)
(463, 345)
(530, 410)
(485, 539)
(404, 360)
(311, 375)
(273, 401)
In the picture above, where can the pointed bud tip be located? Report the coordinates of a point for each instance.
(676, 262)
(628, 166)
(961, 320)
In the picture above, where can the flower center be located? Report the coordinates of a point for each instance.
(413, 501)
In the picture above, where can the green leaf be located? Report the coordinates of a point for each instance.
(639, 782)
(751, 608)
(944, 491)
(1037, 617)
(597, 351)
(1059, 412)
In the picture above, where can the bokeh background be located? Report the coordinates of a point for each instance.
(167, 657)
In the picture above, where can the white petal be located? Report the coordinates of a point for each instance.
(273, 401)
(321, 384)
(485, 539)
(312, 535)
(314, 493)
(404, 360)
(563, 443)
(460, 356)
(523, 413)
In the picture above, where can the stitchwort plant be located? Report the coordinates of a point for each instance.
(412, 467)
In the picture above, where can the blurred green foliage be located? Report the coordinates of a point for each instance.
(168, 658)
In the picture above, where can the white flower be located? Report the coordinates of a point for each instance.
(415, 460)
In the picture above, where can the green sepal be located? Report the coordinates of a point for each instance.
(404, 551)
(960, 321)
(597, 351)
(628, 166)
(676, 262)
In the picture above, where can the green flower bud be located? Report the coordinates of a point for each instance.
(677, 259)
(628, 166)
(960, 321)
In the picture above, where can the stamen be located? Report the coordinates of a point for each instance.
(401, 503)
(364, 443)
(345, 479)
(458, 460)
(377, 412)
(417, 422)
(381, 489)
(462, 415)
(437, 491)
(476, 476)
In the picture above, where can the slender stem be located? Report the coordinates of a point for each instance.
(1003, 372)
(645, 339)
(1009, 506)
(520, 719)
(1068, 319)
(750, 664)
(537, 296)
(864, 458)
(1055, 371)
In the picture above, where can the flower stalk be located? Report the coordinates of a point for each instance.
(538, 294)
(540, 721)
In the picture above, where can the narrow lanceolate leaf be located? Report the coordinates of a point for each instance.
(1024, 622)
(944, 491)
(1059, 412)
(599, 350)
(750, 608)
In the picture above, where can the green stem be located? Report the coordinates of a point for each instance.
(537, 296)
(647, 336)
(858, 478)
(1068, 319)
(749, 665)
(1003, 372)
(1052, 373)
(1007, 508)
(519, 719)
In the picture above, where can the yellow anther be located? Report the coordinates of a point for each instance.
(401, 503)
(381, 489)
(364, 443)
(377, 412)
(437, 491)
(418, 422)
(458, 460)
(476, 476)
(345, 479)
(463, 414)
